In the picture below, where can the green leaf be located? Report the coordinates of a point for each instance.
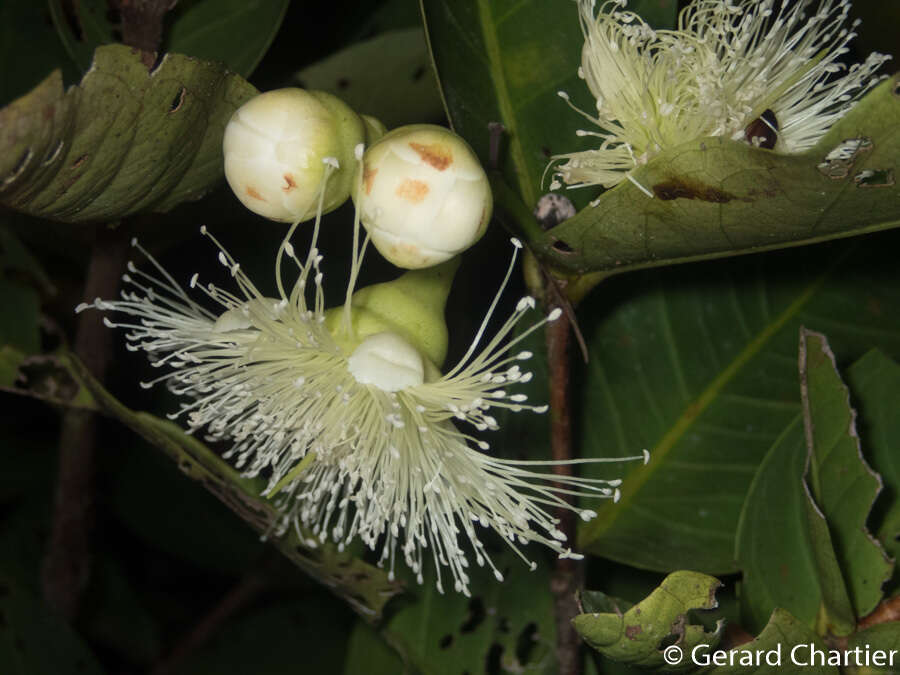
(884, 637)
(842, 484)
(21, 276)
(27, 39)
(504, 61)
(510, 624)
(698, 364)
(124, 141)
(782, 633)
(115, 616)
(784, 546)
(368, 653)
(716, 197)
(875, 384)
(388, 77)
(11, 360)
(34, 640)
(19, 315)
(639, 635)
(365, 588)
(235, 32)
(172, 524)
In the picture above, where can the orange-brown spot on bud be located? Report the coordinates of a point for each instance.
(368, 178)
(437, 155)
(290, 184)
(253, 193)
(412, 190)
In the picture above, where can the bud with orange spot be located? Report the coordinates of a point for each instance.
(424, 197)
(274, 148)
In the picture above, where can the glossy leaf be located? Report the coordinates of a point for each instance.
(365, 588)
(504, 61)
(715, 197)
(124, 141)
(875, 386)
(235, 32)
(639, 634)
(698, 364)
(389, 77)
(784, 547)
(842, 483)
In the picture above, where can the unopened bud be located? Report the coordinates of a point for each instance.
(424, 196)
(275, 149)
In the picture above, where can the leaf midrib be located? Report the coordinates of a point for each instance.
(693, 411)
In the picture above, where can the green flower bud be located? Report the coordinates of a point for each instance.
(411, 306)
(424, 196)
(276, 148)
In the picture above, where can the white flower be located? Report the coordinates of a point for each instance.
(425, 197)
(750, 70)
(356, 435)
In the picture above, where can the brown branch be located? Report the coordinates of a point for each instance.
(66, 566)
(142, 25)
(231, 603)
(568, 574)
(887, 611)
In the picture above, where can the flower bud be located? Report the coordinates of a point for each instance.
(411, 306)
(274, 149)
(424, 196)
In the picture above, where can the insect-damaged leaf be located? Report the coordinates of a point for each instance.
(124, 141)
(714, 197)
(842, 483)
(638, 634)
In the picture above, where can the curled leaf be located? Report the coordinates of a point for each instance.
(638, 635)
(126, 140)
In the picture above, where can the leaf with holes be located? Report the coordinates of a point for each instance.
(698, 364)
(124, 141)
(388, 77)
(503, 627)
(235, 32)
(365, 588)
(842, 483)
(638, 634)
(713, 197)
(503, 61)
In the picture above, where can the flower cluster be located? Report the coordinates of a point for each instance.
(355, 433)
(757, 70)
